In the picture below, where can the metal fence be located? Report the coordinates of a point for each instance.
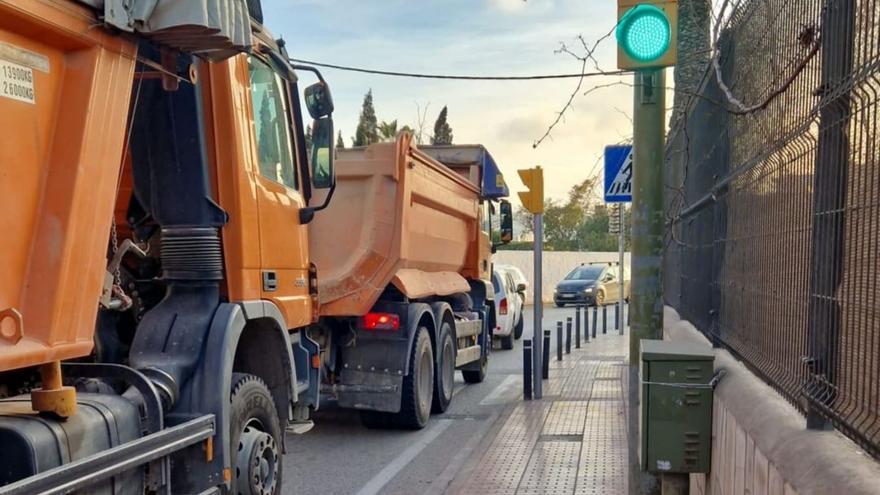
(773, 204)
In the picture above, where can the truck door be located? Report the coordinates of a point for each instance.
(283, 241)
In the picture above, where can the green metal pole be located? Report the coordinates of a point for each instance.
(646, 302)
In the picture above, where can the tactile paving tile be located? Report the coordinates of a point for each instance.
(552, 469)
(606, 389)
(566, 418)
(501, 468)
(580, 381)
(602, 469)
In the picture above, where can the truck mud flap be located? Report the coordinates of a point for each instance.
(369, 391)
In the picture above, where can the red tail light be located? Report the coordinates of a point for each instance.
(502, 308)
(380, 321)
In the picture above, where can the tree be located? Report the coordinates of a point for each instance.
(388, 131)
(367, 132)
(339, 142)
(442, 130)
(308, 137)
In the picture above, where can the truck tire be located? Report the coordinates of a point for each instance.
(417, 393)
(255, 434)
(507, 341)
(518, 329)
(444, 373)
(477, 376)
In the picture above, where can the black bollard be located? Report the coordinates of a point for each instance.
(586, 323)
(527, 369)
(545, 364)
(595, 319)
(604, 319)
(568, 336)
(617, 316)
(559, 341)
(577, 326)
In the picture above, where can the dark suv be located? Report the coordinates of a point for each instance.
(593, 284)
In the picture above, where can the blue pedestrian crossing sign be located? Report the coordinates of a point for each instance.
(618, 174)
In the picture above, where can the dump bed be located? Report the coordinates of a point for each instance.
(397, 217)
(64, 97)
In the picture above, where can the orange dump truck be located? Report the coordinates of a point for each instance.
(154, 184)
(180, 270)
(404, 285)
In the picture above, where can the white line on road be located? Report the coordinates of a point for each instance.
(505, 392)
(388, 473)
(441, 483)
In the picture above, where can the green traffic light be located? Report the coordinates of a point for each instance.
(644, 33)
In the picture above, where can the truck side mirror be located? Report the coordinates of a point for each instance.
(323, 173)
(506, 222)
(318, 100)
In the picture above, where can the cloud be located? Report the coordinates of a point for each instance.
(509, 5)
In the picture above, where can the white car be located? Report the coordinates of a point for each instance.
(508, 306)
(520, 279)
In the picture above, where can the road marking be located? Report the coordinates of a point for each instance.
(505, 392)
(442, 482)
(388, 473)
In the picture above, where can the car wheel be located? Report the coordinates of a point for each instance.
(518, 329)
(600, 298)
(507, 342)
(255, 436)
(444, 373)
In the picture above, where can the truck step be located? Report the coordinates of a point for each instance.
(467, 355)
(300, 427)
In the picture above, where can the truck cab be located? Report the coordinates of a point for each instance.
(157, 236)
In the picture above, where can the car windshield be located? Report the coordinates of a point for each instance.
(584, 273)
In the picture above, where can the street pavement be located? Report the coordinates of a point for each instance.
(490, 441)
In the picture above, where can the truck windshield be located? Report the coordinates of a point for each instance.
(585, 273)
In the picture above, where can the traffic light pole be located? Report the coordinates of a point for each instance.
(646, 304)
(621, 241)
(537, 326)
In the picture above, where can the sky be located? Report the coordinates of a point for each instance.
(480, 37)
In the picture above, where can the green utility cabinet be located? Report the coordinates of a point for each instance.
(676, 406)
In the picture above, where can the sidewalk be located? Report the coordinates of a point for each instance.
(574, 440)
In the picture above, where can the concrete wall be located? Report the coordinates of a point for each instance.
(760, 445)
(556, 265)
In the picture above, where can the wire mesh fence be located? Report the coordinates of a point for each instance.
(773, 204)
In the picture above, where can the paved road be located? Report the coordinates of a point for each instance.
(339, 456)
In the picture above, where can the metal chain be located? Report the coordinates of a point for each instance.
(114, 245)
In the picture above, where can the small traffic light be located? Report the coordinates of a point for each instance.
(647, 32)
(533, 199)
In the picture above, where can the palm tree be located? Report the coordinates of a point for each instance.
(387, 130)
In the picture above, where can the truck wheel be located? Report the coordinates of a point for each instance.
(417, 394)
(255, 434)
(518, 329)
(444, 373)
(507, 342)
(477, 376)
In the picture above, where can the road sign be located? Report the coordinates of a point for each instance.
(618, 174)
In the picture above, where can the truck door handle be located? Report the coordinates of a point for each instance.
(270, 281)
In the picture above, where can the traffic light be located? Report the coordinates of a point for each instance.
(533, 199)
(647, 32)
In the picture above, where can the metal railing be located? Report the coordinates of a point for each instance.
(773, 203)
